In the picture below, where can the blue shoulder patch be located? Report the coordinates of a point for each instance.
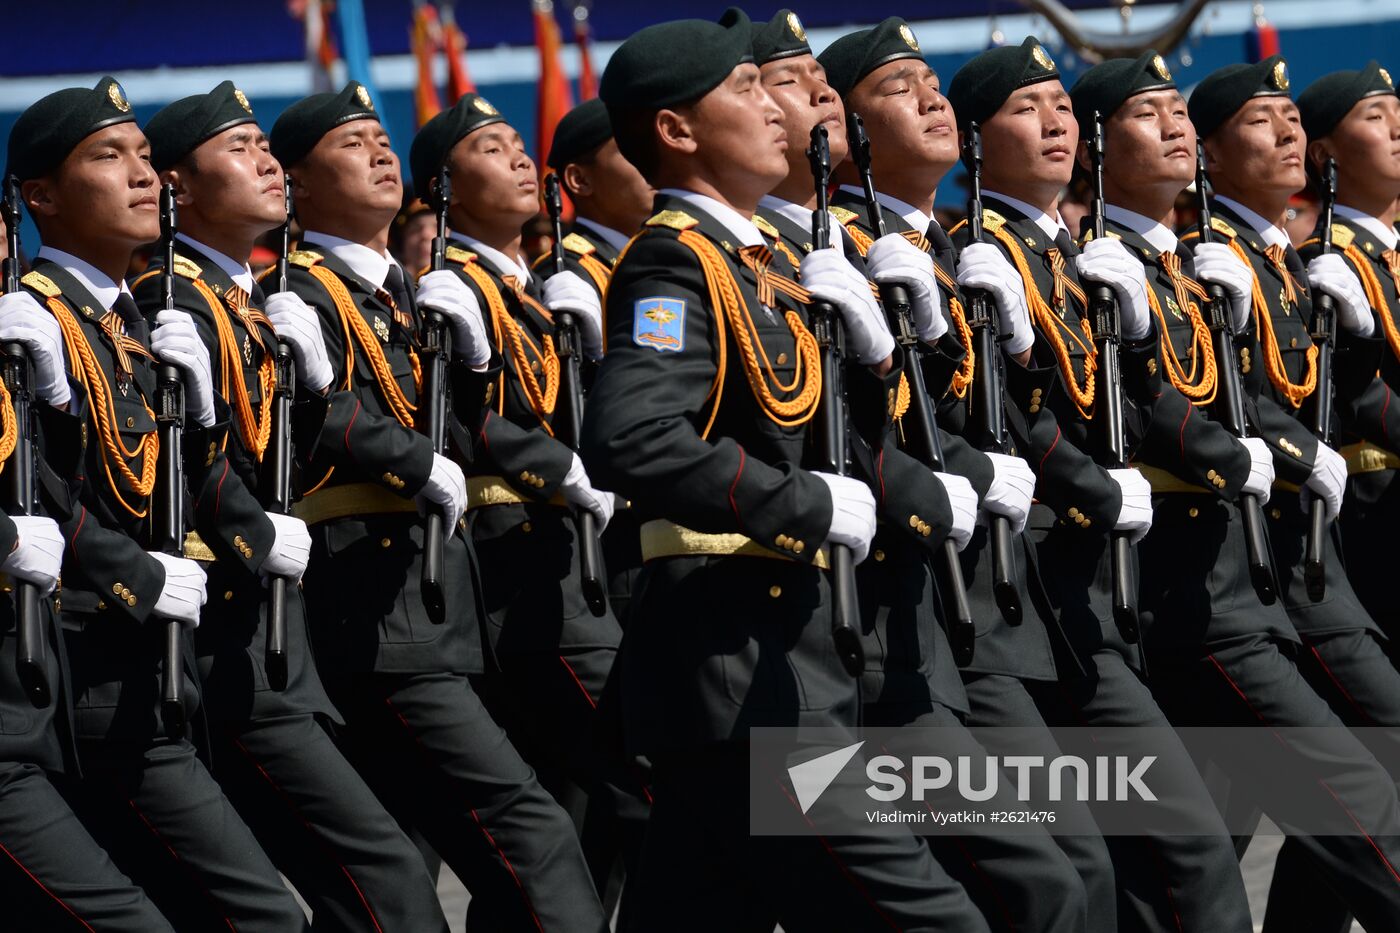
(659, 323)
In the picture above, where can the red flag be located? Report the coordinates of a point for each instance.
(1262, 40)
(454, 46)
(554, 97)
(587, 81)
(426, 38)
(320, 43)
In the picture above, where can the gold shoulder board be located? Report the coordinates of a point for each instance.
(676, 220)
(42, 284)
(304, 257)
(992, 221)
(766, 228)
(457, 254)
(577, 244)
(844, 215)
(185, 268)
(1342, 236)
(1221, 226)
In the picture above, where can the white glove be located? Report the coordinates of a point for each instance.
(893, 260)
(1013, 487)
(1108, 261)
(963, 498)
(1135, 516)
(1328, 480)
(445, 292)
(291, 547)
(1261, 469)
(1330, 274)
(580, 492)
(38, 554)
(1217, 263)
(828, 276)
(852, 514)
(176, 341)
(183, 592)
(565, 291)
(445, 490)
(983, 266)
(297, 323)
(23, 320)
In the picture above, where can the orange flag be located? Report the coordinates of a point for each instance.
(426, 37)
(554, 97)
(587, 80)
(454, 46)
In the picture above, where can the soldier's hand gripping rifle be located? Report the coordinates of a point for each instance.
(920, 430)
(571, 393)
(278, 467)
(1229, 404)
(434, 351)
(168, 504)
(831, 431)
(1104, 319)
(986, 414)
(31, 647)
(1324, 333)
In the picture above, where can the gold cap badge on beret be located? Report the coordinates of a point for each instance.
(363, 96)
(907, 35)
(1385, 76)
(242, 100)
(1159, 68)
(1279, 77)
(485, 107)
(118, 97)
(795, 25)
(1042, 58)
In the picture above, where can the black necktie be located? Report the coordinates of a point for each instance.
(1065, 244)
(1295, 263)
(132, 320)
(938, 237)
(396, 286)
(258, 297)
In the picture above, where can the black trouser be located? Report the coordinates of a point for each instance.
(323, 826)
(53, 874)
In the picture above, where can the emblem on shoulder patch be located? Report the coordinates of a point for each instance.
(659, 323)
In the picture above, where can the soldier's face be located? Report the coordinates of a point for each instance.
(798, 86)
(1366, 145)
(615, 186)
(1030, 142)
(493, 179)
(352, 168)
(1260, 148)
(105, 186)
(233, 179)
(1149, 141)
(736, 132)
(909, 121)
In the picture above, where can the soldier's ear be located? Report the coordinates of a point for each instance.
(674, 132)
(37, 195)
(576, 180)
(1081, 156)
(178, 178)
(1318, 152)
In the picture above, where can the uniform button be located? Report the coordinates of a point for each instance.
(775, 591)
(131, 600)
(1035, 394)
(1034, 409)
(527, 527)
(798, 547)
(101, 604)
(524, 476)
(926, 530)
(1210, 475)
(1086, 523)
(228, 594)
(1193, 511)
(130, 422)
(1073, 512)
(913, 521)
(1276, 513)
(385, 542)
(238, 540)
(116, 589)
(879, 555)
(782, 358)
(1293, 341)
(781, 540)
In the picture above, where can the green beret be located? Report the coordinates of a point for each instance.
(1224, 91)
(53, 125)
(1106, 86)
(179, 129)
(437, 137)
(676, 62)
(301, 126)
(850, 58)
(1331, 97)
(580, 133)
(780, 37)
(981, 86)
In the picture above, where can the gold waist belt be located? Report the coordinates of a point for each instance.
(1163, 481)
(492, 490)
(351, 499)
(661, 538)
(1368, 458)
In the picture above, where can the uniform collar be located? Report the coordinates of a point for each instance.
(914, 217)
(608, 235)
(1156, 234)
(741, 227)
(1050, 226)
(96, 282)
(498, 260)
(364, 262)
(241, 275)
(1386, 235)
(1269, 233)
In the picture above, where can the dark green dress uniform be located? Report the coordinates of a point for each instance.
(417, 729)
(274, 757)
(145, 796)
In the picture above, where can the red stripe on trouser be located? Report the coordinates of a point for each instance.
(199, 880)
(520, 885)
(584, 690)
(1336, 682)
(311, 830)
(45, 888)
(1162, 870)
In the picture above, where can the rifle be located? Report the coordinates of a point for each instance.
(826, 328)
(987, 416)
(434, 354)
(168, 504)
(279, 469)
(1229, 406)
(571, 393)
(1103, 316)
(1324, 330)
(31, 649)
(921, 433)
